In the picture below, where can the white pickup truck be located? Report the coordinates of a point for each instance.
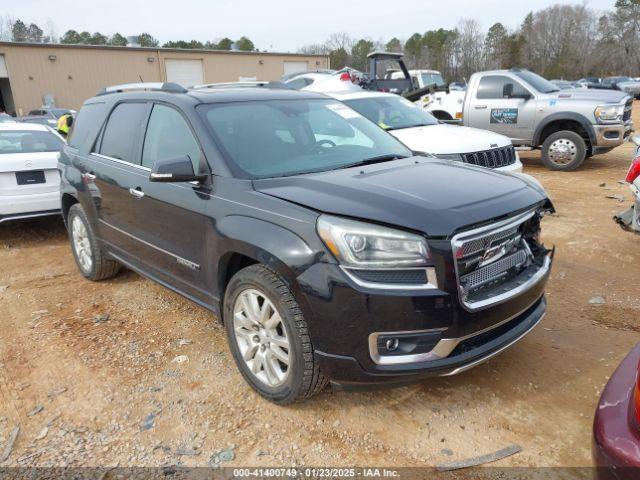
(445, 106)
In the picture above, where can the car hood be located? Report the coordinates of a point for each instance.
(607, 96)
(633, 85)
(440, 139)
(418, 193)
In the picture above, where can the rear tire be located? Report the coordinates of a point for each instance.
(90, 256)
(269, 338)
(564, 151)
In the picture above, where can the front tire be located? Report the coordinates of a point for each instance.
(564, 151)
(269, 338)
(90, 257)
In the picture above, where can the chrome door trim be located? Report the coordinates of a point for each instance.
(122, 162)
(179, 259)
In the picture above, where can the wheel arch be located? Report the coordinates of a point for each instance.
(565, 121)
(441, 114)
(277, 248)
(67, 200)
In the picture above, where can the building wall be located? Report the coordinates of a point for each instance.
(79, 72)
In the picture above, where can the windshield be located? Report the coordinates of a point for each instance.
(28, 142)
(431, 78)
(392, 112)
(277, 138)
(536, 81)
(624, 79)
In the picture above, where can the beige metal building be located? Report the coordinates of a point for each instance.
(32, 75)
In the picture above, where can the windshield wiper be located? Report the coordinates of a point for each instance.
(373, 160)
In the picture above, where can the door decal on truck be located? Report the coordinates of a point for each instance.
(504, 115)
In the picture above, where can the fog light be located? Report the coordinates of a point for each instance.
(392, 344)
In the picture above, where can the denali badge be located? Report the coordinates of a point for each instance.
(188, 264)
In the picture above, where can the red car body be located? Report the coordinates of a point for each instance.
(616, 428)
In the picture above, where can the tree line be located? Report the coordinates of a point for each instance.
(561, 41)
(19, 31)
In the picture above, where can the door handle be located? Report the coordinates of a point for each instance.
(136, 192)
(88, 178)
(480, 107)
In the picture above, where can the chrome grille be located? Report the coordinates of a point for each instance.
(494, 158)
(492, 272)
(627, 110)
(488, 257)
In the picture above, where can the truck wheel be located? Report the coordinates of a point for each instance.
(564, 150)
(88, 252)
(269, 338)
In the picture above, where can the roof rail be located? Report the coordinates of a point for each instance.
(256, 84)
(168, 87)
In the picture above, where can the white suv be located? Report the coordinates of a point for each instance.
(422, 132)
(29, 178)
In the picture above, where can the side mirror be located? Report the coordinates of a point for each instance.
(69, 121)
(177, 169)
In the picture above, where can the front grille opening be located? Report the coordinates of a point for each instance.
(494, 158)
(496, 262)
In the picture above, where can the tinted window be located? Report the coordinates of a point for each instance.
(392, 112)
(87, 124)
(28, 142)
(431, 78)
(541, 84)
(287, 137)
(169, 136)
(120, 135)
(492, 86)
(299, 83)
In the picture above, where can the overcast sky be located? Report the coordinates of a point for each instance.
(276, 25)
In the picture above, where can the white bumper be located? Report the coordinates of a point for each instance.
(514, 167)
(30, 205)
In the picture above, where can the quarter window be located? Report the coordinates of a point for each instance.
(120, 134)
(169, 136)
(492, 87)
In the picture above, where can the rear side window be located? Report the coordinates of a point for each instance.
(119, 138)
(86, 124)
(169, 136)
(28, 142)
(492, 86)
(299, 83)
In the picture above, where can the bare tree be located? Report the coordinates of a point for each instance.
(470, 47)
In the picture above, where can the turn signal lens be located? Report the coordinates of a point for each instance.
(634, 170)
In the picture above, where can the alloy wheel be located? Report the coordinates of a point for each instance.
(261, 337)
(81, 244)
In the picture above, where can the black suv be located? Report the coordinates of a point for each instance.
(328, 250)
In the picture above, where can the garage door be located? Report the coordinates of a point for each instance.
(3, 68)
(295, 67)
(185, 72)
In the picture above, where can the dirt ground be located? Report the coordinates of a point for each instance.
(88, 370)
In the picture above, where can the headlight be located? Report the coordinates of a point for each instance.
(454, 157)
(364, 245)
(609, 113)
